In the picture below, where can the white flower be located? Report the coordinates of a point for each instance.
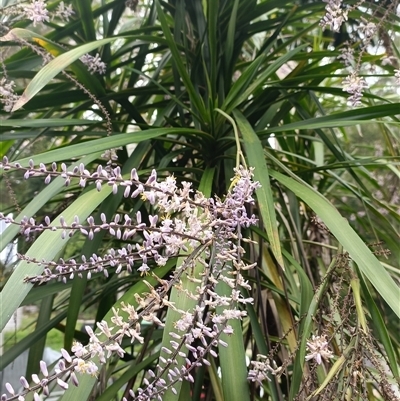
(355, 85)
(94, 64)
(144, 269)
(86, 367)
(36, 12)
(318, 349)
(335, 15)
(347, 55)
(7, 95)
(78, 349)
(64, 12)
(368, 28)
(185, 322)
(262, 369)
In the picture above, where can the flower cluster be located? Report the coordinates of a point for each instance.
(94, 64)
(368, 28)
(354, 85)
(7, 95)
(36, 12)
(335, 15)
(206, 230)
(64, 12)
(318, 349)
(64, 367)
(346, 55)
(371, 25)
(262, 370)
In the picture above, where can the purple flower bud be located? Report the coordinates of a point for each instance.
(74, 379)
(61, 364)
(127, 191)
(166, 350)
(66, 355)
(10, 389)
(62, 384)
(152, 178)
(134, 174)
(46, 391)
(153, 220)
(24, 382)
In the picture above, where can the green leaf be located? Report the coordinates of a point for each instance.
(343, 119)
(10, 355)
(233, 357)
(380, 329)
(255, 157)
(46, 122)
(344, 233)
(194, 96)
(102, 144)
(50, 70)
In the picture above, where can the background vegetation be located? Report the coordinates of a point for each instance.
(181, 76)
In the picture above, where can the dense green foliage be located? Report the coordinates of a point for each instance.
(184, 80)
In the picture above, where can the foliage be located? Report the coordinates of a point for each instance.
(136, 126)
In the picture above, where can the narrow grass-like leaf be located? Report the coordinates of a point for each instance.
(379, 327)
(10, 355)
(345, 234)
(46, 122)
(245, 91)
(194, 96)
(36, 351)
(343, 119)
(355, 286)
(232, 358)
(215, 381)
(306, 329)
(49, 71)
(102, 144)
(85, 16)
(255, 156)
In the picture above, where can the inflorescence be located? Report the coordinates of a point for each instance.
(201, 231)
